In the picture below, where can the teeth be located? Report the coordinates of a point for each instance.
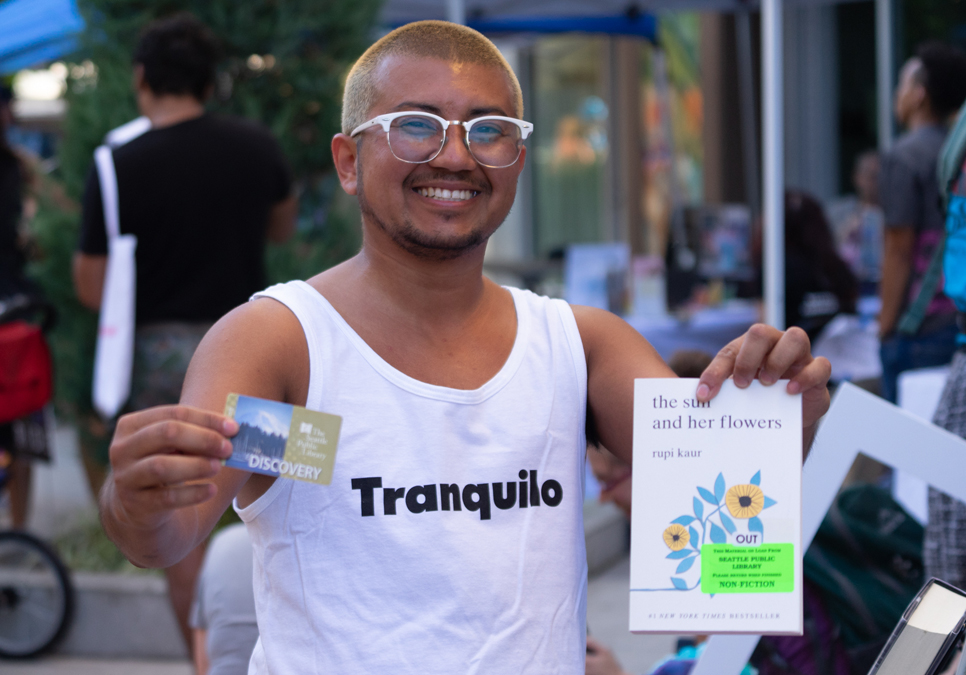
(450, 195)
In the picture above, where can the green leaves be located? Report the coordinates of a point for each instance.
(708, 497)
(719, 488)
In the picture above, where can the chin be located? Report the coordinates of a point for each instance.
(422, 244)
(436, 246)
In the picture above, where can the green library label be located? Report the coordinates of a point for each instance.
(769, 568)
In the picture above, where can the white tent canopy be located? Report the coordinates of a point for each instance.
(773, 179)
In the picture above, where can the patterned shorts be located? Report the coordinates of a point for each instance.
(944, 548)
(162, 352)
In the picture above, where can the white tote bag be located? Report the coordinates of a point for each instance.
(114, 357)
(115, 331)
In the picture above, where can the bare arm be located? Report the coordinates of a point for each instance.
(200, 651)
(617, 354)
(281, 220)
(167, 487)
(898, 244)
(88, 272)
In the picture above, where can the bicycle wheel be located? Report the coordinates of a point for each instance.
(36, 596)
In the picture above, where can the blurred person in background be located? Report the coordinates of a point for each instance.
(14, 180)
(932, 86)
(858, 223)
(818, 283)
(195, 183)
(223, 613)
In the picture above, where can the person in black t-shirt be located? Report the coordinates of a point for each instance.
(202, 193)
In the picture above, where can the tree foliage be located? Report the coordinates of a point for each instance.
(284, 63)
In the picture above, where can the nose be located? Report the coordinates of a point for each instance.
(455, 155)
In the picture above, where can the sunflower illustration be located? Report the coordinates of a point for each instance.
(745, 501)
(676, 537)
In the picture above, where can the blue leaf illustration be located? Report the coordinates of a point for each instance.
(694, 538)
(756, 479)
(718, 535)
(726, 521)
(679, 583)
(754, 525)
(677, 555)
(707, 496)
(769, 502)
(685, 565)
(719, 487)
(698, 508)
(684, 520)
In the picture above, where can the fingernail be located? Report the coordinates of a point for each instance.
(226, 448)
(742, 381)
(229, 427)
(794, 387)
(766, 378)
(215, 465)
(704, 391)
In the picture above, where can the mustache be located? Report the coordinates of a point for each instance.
(442, 175)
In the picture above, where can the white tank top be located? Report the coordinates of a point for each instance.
(451, 537)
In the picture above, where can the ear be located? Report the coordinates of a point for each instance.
(920, 96)
(138, 77)
(344, 155)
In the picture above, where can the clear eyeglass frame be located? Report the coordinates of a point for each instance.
(386, 120)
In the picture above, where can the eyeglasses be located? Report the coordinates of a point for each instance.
(417, 137)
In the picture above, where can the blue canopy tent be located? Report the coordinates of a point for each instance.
(36, 31)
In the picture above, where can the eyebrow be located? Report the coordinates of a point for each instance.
(427, 107)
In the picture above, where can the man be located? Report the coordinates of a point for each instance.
(450, 538)
(932, 86)
(202, 193)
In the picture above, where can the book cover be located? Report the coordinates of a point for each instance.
(278, 439)
(716, 510)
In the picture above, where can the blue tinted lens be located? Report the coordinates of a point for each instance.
(417, 127)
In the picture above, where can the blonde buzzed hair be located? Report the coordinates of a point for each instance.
(426, 39)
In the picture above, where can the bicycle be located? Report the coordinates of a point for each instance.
(36, 593)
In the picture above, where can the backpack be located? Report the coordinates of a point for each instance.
(25, 370)
(948, 263)
(818, 651)
(865, 562)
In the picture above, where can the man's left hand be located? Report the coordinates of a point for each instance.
(771, 355)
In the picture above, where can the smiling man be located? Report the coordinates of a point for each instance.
(450, 539)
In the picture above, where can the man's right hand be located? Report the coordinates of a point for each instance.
(162, 460)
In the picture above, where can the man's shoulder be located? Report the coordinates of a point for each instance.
(257, 348)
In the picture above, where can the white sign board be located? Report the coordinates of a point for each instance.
(857, 422)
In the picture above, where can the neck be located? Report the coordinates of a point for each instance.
(170, 109)
(922, 118)
(435, 290)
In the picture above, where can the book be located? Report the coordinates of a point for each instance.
(716, 510)
(922, 643)
(278, 439)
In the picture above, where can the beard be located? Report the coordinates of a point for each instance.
(421, 244)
